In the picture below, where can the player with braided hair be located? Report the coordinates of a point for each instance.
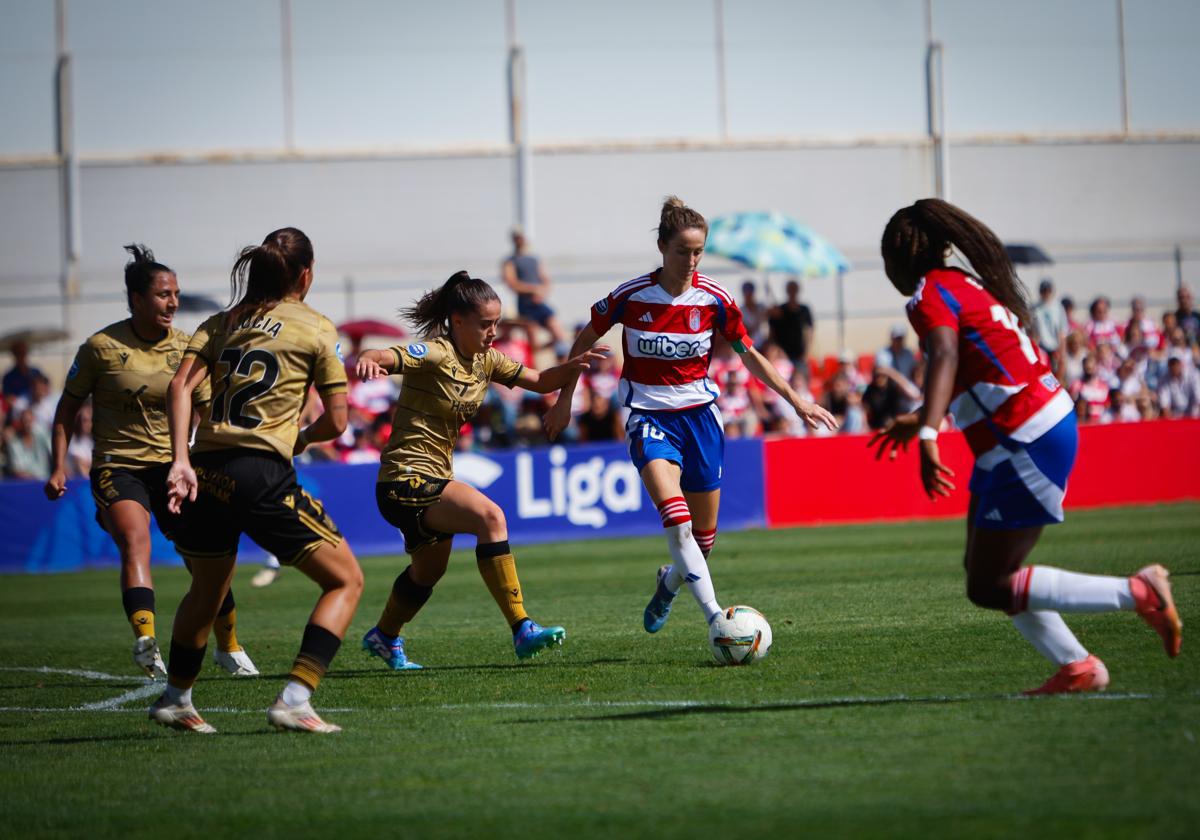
(1020, 425)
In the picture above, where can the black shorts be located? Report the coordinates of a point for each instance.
(146, 486)
(404, 503)
(255, 493)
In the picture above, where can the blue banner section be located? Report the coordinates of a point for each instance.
(548, 494)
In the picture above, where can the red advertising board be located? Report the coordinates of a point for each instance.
(837, 479)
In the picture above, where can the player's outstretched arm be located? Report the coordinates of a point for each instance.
(809, 412)
(60, 437)
(551, 379)
(558, 417)
(181, 480)
(372, 364)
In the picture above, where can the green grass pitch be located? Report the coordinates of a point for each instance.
(889, 706)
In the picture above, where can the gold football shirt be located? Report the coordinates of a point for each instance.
(441, 391)
(127, 377)
(260, 370)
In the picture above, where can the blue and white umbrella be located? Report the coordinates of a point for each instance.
(773, 242)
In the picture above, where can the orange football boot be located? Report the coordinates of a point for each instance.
(1153, 602)
(1085, 675)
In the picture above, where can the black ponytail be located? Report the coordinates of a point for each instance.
(141, 271)
(430, 315)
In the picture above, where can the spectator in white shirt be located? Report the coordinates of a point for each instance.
(1050, 323)
(1179, 392)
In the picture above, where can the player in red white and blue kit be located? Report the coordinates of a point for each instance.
(1020, 424)
(676, 439)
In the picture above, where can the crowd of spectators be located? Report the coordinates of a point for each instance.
(1116, 371)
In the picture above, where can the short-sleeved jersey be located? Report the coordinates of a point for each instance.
(260, 371)
(1002, 390)
(127, 378)
(441, 390)
(667, 341)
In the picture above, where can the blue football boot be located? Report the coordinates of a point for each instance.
(390, 650)
(531, 638)
(659, 609)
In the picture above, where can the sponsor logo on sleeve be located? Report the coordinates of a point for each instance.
(417, 351)
(601, 306)
(74, 371)
(337, 348)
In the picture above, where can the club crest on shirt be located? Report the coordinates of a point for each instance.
(601, 306)
(693, 319)
(417, 350)
(173, 359)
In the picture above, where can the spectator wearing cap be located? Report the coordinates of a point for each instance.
(1179, 391)
(896, 360)
(523, 274)
(18, 382)
(792, 325)
(1050, 323)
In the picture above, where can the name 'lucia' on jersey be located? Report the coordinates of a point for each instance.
(667, 341)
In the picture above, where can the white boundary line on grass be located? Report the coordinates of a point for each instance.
(116, 704)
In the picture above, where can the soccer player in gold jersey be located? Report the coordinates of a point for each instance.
(261, 356)
(446, 377)
(125, 369)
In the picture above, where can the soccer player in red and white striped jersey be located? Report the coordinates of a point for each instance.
(1019, 424)
(674, 429)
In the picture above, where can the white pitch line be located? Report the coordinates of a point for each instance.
(120, 700)
(74, 672)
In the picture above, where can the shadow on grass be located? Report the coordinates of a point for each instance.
(730, 709)
(434, 670)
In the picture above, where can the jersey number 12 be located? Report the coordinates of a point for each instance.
(238, 362)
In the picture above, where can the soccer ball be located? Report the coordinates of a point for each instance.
(739, 636)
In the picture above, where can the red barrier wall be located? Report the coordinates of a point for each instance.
(813, 480)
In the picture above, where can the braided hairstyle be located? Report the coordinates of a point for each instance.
(917, 238)
(430, 315)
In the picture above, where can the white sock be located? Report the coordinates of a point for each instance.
(1050, 635)
(295, 693)
(689, 566)
(1054, 589)
(179, 696)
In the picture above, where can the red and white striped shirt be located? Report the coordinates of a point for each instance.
(667, 342)
(1002, 389)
